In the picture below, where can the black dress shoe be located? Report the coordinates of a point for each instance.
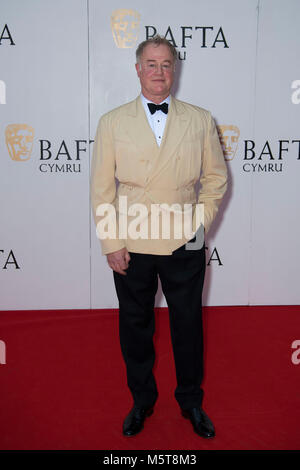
(134, 421)
(200, 421)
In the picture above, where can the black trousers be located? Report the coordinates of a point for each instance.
(182, 276)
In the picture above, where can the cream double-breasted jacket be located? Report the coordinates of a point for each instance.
(125, 149)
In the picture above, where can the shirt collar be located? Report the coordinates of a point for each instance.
(145, 100)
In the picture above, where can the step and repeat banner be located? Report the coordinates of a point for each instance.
(64, 63)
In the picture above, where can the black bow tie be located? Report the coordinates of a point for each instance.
(156, 107)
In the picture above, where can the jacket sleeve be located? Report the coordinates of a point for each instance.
(213, 176)
(103, 186)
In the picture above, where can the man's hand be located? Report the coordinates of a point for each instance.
(119, 260)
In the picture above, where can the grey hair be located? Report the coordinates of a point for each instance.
(157, 40)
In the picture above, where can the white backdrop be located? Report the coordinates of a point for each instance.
(61, 69)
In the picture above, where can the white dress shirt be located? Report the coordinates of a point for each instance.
(157, 121)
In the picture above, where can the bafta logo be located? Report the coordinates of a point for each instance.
(125, 27)
(19, 141)
(229, 138)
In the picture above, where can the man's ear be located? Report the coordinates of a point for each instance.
(138, 69)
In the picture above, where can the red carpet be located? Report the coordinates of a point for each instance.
(64, 385)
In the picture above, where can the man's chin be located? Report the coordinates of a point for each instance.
(160, 91)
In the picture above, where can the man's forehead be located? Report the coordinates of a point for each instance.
(161, 52)
(154, 60)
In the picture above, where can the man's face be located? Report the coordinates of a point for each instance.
(156, 72)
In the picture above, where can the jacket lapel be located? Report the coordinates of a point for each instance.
(176, 126)
(141, 134)
(139, 130)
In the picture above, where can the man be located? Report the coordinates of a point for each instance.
(158, 147)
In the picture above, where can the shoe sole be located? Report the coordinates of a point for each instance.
(186, 415)
(148, 413)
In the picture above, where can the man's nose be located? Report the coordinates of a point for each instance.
(159, 69)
